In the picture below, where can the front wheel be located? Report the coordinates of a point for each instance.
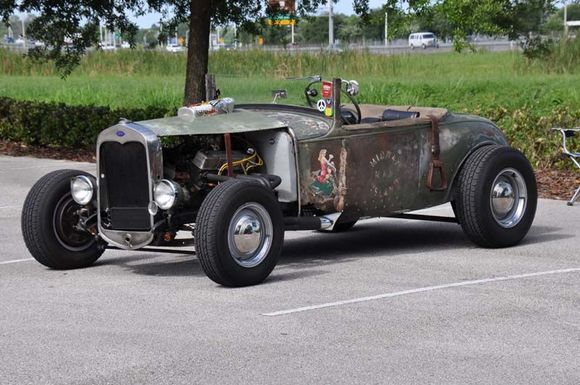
(50, 220)
(239, 233)
(497, 196)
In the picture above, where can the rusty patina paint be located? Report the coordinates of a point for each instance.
(373, 172)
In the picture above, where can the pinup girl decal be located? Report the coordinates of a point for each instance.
(324, 179)
(329, 184)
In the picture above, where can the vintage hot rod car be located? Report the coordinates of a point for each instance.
(236, 178)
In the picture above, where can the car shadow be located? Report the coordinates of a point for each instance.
(157, 264)
(541, 234)
(306, 256)
(378, 239)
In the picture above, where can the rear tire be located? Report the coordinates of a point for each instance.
(239, 233)
(48, 219)
(497, 196)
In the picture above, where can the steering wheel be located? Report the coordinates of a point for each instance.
(311, 93)
(351, 90)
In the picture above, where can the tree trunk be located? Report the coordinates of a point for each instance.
(197, 51)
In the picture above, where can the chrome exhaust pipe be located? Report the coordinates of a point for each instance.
(324, 222)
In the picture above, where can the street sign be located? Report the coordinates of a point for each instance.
(281, 22)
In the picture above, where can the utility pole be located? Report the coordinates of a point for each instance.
(330, 26)
(23, 30)
(386, 29)
(565, 20)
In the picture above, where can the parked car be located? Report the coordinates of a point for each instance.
(107, 47)
(175, 48)
(235, 178)
(423, 40)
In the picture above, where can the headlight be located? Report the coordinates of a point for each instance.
(82, 189)
(166, 194)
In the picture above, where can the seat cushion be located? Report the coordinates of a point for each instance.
(389, 115)
(370, 120)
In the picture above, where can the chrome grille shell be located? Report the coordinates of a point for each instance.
(126, 132)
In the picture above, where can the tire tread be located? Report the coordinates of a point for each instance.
(207, 236)
(468, 199)
(31, 221)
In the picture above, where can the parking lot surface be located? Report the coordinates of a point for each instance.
(390, 302)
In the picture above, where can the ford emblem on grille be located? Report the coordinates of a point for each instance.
(120, 133)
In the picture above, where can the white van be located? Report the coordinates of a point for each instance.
(423, 40)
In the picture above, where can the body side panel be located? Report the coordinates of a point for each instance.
(384, 171)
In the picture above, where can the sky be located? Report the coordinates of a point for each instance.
(343, 6)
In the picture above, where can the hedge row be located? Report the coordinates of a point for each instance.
(530, 131)
(57, 124)
(52, 124)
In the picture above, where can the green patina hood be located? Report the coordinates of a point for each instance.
(236, 121)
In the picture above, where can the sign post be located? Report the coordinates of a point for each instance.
(386, 29)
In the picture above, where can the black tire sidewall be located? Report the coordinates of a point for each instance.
(497, 235)
(246, 192)
(39, 208)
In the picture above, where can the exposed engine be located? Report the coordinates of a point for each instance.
(188, 161)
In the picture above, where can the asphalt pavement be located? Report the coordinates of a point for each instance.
(389, 302)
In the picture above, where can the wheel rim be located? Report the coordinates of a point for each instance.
(508, 198)
(65, 219)
(250, 234)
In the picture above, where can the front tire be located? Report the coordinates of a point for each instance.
(497, 196)
(49, 216)
(239, 233)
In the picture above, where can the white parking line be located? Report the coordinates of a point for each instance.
(9, 207)
(418, 290)
(16, 261)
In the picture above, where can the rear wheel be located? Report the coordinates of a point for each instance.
(50, 224)
(497, 196)
(239, 233)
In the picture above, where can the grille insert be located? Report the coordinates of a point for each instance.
(124, 185)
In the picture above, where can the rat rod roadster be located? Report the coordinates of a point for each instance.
(236, 178)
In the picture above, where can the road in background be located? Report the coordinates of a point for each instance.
(391, 302)
(395, 48)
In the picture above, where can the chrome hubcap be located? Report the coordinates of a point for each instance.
(503, 198)
(250, 234)
(508, 198)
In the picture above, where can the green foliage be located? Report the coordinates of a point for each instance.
(552, 57)
(56, 124)
(530, 131)
(525, 97)
(537, 48)
(516, 19)
(555, 22)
